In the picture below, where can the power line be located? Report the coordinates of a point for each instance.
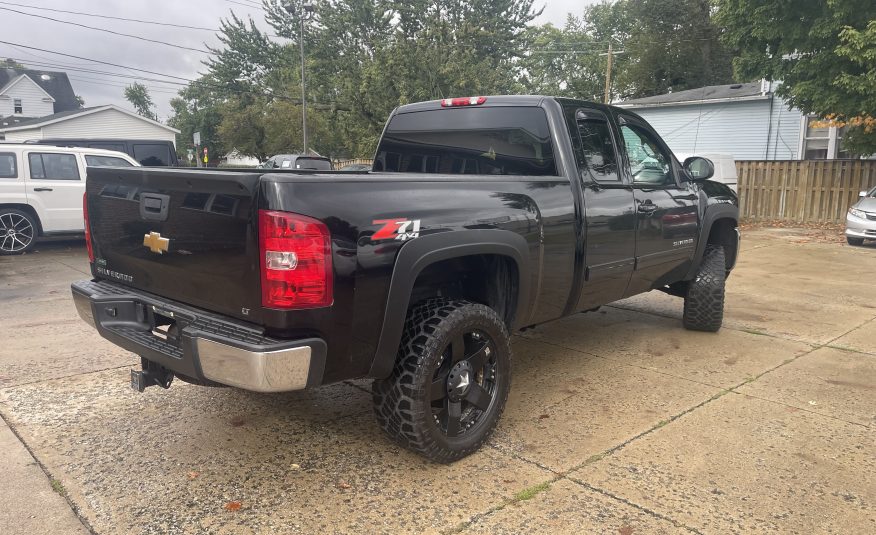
(278, 96)
(157, 23)
(96, 61)
(141, 38)
(104, 83)
(104, 73)
(244, 4)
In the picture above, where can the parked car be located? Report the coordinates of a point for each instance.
(861, 219)
(297, 161)
(41, 189)
(414, 277)
(725, 168)
(356, 167)
(149, 152)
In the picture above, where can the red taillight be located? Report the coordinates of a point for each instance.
(87, 228)
(296, 261)
(462, 101)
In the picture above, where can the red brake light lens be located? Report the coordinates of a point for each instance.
(296, 261)
(87, 228)
(462, 101)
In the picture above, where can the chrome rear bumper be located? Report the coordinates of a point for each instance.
(204, 345)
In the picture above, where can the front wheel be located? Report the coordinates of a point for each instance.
(704, 299)
(450, 381)
(855, 241)
(18, 231)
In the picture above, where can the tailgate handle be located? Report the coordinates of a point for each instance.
(154, 206)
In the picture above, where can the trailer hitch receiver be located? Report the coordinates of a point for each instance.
(152, 374)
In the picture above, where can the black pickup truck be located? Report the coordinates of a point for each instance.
(482, 216)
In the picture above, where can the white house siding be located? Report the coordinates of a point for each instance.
(107, 124)
(785, 137)
(739, 128)
(34, 101)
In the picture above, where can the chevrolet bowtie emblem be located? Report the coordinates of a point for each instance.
(156, 243)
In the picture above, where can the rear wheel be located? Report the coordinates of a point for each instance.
(704, 300)
(855, 241)
(18, 231)
(450, 381)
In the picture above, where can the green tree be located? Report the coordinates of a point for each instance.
(671, 45)
(197, 109)
(10, 63)
(138, 95)
(823, 52)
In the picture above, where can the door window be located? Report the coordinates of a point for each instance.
(105, 161)
(649, 163)
(47, 166)
(7, 165)
(597, 151)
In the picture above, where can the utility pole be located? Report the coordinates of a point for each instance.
(307, 9)
(303, 88)
(610, 55)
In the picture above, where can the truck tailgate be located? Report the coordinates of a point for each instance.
(185, 234)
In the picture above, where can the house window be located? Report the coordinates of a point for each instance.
(821, 142)
(816, 140)
(16, 104)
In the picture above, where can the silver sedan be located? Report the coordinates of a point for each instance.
(861, 219)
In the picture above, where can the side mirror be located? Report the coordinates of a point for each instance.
(699, 168)
(862, 194)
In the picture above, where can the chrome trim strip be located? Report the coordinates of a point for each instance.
(270, 371)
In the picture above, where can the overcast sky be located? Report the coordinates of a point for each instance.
(97, 89)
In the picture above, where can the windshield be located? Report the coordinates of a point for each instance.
(489, 141)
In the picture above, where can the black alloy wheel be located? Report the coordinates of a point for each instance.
(450, 382)
(464, 384)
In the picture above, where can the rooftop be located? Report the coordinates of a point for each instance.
(701, 94)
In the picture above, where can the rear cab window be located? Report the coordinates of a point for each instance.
(8, 165)
(489, 141)
(53, 166)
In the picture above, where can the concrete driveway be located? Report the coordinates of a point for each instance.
(619, 421)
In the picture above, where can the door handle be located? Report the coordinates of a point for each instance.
(43, 189)
(647, 207)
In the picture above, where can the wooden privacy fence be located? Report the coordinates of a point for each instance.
(802, 190)
(340, 163)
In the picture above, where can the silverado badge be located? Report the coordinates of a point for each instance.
(156, 243)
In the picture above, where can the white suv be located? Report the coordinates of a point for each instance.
(41, 189)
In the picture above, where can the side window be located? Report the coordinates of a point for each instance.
(152, 155)
(597, 150)
(649, 164)
(108, 146)
(105, 161)
(8, 168)
(48, 166)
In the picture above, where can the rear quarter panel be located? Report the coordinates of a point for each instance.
(540, 209)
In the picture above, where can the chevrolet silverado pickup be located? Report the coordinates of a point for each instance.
(481, 216)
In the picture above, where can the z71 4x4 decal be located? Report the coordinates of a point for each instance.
(396, 229)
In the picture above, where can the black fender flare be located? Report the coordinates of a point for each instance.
(713, 213)
(421, 252)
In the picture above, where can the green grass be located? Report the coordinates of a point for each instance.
(528, 494)
(58, 487)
